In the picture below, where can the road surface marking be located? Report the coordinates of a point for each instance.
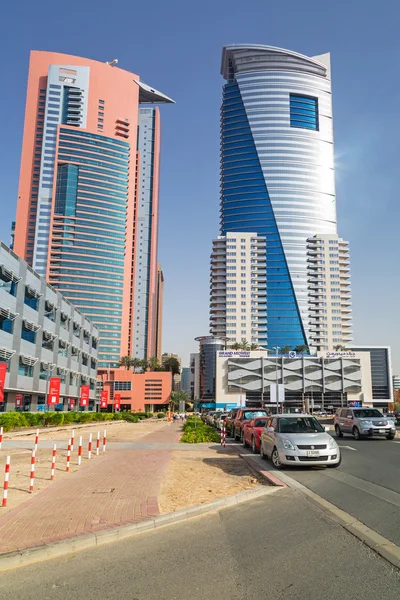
(385, 494)
(350, 448)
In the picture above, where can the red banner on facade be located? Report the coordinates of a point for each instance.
(53, 397)
(18, 400)
(84, 401)
(117, 401)
(104, 399)
(3, 372)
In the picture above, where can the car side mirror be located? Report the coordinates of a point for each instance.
(269, 429)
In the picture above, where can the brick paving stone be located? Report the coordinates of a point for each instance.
(84, 503)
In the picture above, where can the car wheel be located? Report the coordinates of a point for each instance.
(391, 436)
(356, 433)
(335, 465)
(338, 431)
(275, 459)
(253, 444)
(262, 455)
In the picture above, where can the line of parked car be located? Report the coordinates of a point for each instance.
(286, 439)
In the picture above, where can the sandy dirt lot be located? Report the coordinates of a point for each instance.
(199, 476)
(21, 457)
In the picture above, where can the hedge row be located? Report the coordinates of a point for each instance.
(13, 420)
(196, 432)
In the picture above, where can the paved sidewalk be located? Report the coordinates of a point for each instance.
(114, 489)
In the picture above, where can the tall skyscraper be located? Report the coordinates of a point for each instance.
(277, 176)
(238, 288)
(159, 318)
(329, 292)
(88, 194)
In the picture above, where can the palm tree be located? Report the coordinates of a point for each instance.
(236, 346)
(253, 346)
(126, 361)
(245, 345)
(144, 365)
(286, 349)
(177, 397)
(153, 364)
(339, 347)
(172, 364)
(137, 363)
(302, 349)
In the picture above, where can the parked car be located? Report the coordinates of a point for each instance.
(363, 422)
(298, 439)
(229, 420)
(390, 416)
(219, 419)
(210, 417)
(252, 432)
(243, 416)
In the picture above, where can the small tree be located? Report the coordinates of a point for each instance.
(286, 349)
(126, 361)
(177, 397)
(172, 365)
(253, 346)
(245, 345)
(302, 349)
(236, 346)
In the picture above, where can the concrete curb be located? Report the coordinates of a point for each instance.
(9, 435)
(270, 477)
(13, 560)
(379, 544)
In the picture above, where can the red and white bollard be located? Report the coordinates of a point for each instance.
(53, 462)
(221, 436)
(1, 437)
(104, 440)
(36, 440)
(98, 443)
(89, 448)
(72, 440)
(32, 475)
(6, 477)
(68, 455)
(80, 451)
(224, 436)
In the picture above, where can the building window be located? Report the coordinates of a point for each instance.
(28, 334)
(304, 112)
(62, 348)
(30, 298)
(7, 283)
(61, 375)
(24, 369)
(6, 324)
(84, 360)
(122, 386)
(92, 363)
(49, 311)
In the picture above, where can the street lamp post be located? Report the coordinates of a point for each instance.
(277, 348)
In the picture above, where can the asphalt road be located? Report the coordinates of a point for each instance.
(366, 485)
(279, 547)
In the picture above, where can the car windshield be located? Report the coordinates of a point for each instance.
(253, 414)
(299, 425)
(259, 423)
(367, 413)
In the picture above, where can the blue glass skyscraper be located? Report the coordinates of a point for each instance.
(277, 173)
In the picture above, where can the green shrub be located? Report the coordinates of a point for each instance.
(196, 432)
(53, 418)
(117, 417)
(160, 415)
(149, 415)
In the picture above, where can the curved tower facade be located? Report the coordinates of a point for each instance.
(277, 170)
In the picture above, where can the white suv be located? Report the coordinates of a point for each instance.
(363, 422)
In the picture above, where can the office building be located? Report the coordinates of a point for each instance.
(277, 170)
(326, 381)
(329, 292)
(209, 346)
(159, 311)
(42, 335)
(238, 288)
(185, 380)
(194, 376)
(149, 391)
(176, 378)
(88, 194)
(396, 382)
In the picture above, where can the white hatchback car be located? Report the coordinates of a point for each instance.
(298, 439)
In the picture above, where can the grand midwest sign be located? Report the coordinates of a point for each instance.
(233, 353)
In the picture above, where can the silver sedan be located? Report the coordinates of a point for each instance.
(298, 439)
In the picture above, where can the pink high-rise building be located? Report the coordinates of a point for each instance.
(87, 214)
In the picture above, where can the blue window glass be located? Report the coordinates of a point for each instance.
(23, 369)
(66, 190)
(27, 334)
(30, 299)
(6, 325)
(304, 112)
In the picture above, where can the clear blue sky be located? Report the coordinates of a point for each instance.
(176, 47)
